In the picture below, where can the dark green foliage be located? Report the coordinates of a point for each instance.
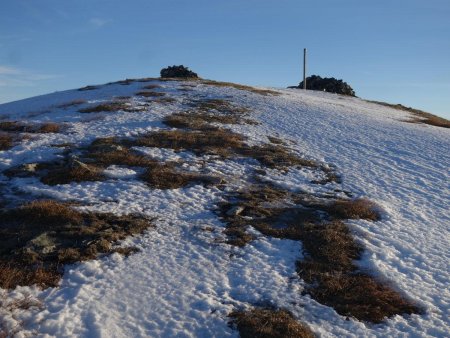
(328, 84)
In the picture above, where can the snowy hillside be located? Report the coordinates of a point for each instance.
(225, 177)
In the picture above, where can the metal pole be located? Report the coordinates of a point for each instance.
(304, 68)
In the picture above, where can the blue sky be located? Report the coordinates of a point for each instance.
(390, 50)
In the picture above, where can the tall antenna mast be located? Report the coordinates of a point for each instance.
(304, 68)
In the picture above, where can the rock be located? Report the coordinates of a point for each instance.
(235, 211)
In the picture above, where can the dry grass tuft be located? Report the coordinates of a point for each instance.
(150, 94)
(264, 92)
(13, 274)
(35, 239)
(354, 209)
(269, 323)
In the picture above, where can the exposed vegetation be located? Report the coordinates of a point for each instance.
(329, 269)
(109, 107)
(327, 84)
(72, 103)
(150, 94)
(264, 92)
(178, 72)
(269, 323)
(421, 116)
(88, 88)
(6, 141)
(20, 127)
(38, 237)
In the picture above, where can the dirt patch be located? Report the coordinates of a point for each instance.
(269, 323)
(36, 239)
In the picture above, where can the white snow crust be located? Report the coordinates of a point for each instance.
(185, 280)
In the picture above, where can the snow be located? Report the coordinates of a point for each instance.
(185, 280)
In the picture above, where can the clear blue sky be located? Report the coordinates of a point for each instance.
(391, 50)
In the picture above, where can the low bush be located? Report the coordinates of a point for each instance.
(327, 84)
(178, 72)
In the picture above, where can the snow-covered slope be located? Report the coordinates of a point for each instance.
(185, 280)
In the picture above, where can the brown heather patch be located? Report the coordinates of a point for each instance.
(164, 100)
(421, 116)
(200, 120)
(108, 107)
(36, 239)
(72, 103)
(269, 323)
(218, 105)
(6, 141)
(216, 142)
(110, 151)
(87, 88)
(274, 156)
(19, 127)
(167, 177)
(150, 94)
(264, 92)
(275, 140)
(67, 172)
(329, 270)
(49, 128)
(13, 274)
(125, 82)
(151, 86)
(354, 209)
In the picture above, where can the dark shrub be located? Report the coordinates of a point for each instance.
(178, 71)
(328, 84)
